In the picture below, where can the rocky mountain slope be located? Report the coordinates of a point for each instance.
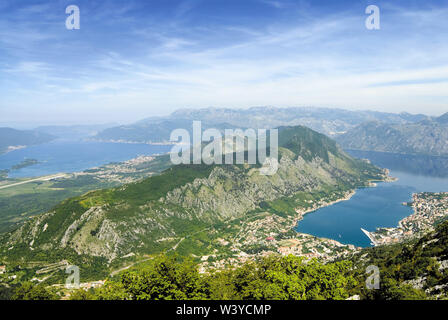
(425, 137)
(155, 214)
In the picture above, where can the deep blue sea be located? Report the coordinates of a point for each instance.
(73, 156)
(380, 206)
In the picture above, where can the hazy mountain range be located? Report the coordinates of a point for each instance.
(12, 138)
(360, 130)
(327, 121)
(74, 131)
(428, 137)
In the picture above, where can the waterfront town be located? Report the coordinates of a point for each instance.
(267, 234)
(122, 172)
(275, 234)
(429, 210)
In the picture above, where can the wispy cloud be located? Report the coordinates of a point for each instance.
(131, 63)
(275, 4)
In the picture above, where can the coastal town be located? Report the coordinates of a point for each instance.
(270, 234)
(429, 210)
(266, 234)
(122, 172)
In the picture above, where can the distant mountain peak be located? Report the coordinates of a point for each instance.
(425, 137)
(443, 119)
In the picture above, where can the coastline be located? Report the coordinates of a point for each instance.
(11, 149)
(348, 195)
(162, 143)
(71, 166)
(302, 213)
(428, 208)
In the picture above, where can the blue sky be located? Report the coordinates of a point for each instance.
(134, 59)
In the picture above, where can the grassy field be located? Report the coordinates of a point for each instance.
(19, 202)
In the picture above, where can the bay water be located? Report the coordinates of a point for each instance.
(380, 206)
(73, 156)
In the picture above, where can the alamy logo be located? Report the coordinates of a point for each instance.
(373, 280)
(72, 281)
(233, 147)
(373, 20)
(73, 20)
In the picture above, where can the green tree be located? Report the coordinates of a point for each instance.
(166, 278)
(290, 278)
(280, 278)
(391, 289)
(29, 291)
(82, 294)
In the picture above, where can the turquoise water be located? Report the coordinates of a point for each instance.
(73, 156)
(381, 206)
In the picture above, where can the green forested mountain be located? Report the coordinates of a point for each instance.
(12, 138)
(186, 209)
(415, 270)
(425, 137)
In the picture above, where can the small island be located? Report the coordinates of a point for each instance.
(25, 163)
(4, 174)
